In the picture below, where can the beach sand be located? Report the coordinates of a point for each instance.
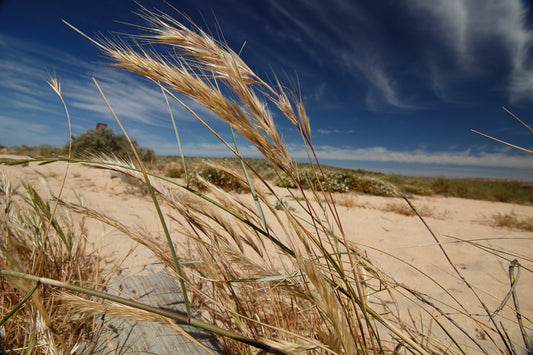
(394, 241)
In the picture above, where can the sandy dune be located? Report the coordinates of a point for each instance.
(391, 239)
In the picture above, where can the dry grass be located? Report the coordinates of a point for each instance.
(44, 323)
(511, 220)
(347, 200)
(403, 209)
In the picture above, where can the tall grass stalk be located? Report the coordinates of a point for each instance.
(178, 138)
(156, 204)
(37, 268)
(507, 143)
(249, 181)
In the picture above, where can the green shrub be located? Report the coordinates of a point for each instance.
(175, 173)
(339, 182)
(220, 179)
(105, 141)
(283, 180)
(374, 186)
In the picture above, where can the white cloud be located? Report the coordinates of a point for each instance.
(381, 154)
(335, 131)
(468, 28)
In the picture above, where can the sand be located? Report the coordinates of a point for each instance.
(372, 222)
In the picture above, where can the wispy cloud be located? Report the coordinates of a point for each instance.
(449, 44)
(27, 66)
(352, 43)
(385, 88)
(131, 99)
(334, 131)
(475, 32)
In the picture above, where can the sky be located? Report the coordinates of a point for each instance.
(390, 86)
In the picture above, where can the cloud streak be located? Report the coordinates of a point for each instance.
(464, 158)
(468, 28)
(451, 42)
(381, 154)
(351, 43)
(27, 66)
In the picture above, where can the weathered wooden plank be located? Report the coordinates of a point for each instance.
(154, 286)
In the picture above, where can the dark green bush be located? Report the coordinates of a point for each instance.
(173, 172)
(221, 179)
(105, 141)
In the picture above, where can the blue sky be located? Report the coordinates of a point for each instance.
(393, 86)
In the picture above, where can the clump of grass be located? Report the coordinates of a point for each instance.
(399, 209)
(44, 323)
(328, 280)
(406, 210)
(347, 200)
(267, 279)
(511, 220)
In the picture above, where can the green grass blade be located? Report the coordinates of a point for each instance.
(178, 138)
(156, 204)
(43, 210)
(252, 190)
(21, 303)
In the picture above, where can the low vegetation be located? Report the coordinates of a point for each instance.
(35, 241)
(511, 220)
(340, 179)
(105, 141)
(93, 142)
